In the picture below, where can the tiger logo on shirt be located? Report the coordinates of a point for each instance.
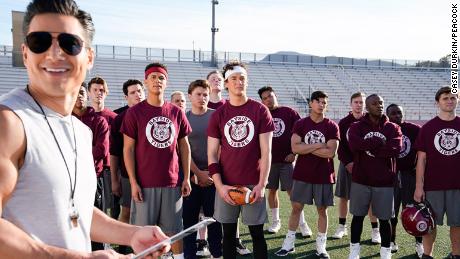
(160, 132)
(374, 134)
(447, 141)
(280, 127)
(314, 136)
(406, 145)
(239, 131)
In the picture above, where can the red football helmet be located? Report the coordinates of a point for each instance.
(418, 219)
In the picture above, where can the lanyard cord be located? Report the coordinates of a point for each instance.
(72, 188)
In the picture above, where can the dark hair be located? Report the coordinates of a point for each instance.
(213, 72)
(316, 95)
(156, 64)
(84, 85)
(100, 81)
(355, 95)
(198, 83)
(442, 90)
(63, 7)
(231, 64)
(264, 89)
(392, 105)
(371, 96)
(129, 83)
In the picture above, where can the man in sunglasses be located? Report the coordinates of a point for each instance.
(47, 177)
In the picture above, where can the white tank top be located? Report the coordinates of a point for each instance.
(39, 204)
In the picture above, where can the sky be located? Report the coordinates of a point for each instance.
(386, 29)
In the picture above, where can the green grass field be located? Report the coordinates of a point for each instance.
(305, 247)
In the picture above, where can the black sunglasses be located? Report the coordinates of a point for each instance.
(40, 41)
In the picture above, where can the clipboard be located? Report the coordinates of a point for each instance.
(178, 236)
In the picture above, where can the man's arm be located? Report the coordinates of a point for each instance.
(114, 174)
(130, 165)
(329, 151)
(213, 158)
(298, 147)
(392, 146)
(265, 140)
(202, 177)
(419, 194)
(357, 143)
(14, 242)
(184, 151)
(101, 138)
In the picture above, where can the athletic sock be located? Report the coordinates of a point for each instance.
(375, 224)
(276, 214)
(302, 218)
(342, 221)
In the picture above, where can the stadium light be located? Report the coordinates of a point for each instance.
(213, 31)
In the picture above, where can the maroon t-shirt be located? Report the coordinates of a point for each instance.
(238, 129)
(217, 104)
(283, 119)
(407, 157)
(343, 152)
(440, 140)
(310, 168)
(109, 115)
(116, 141)
(375, 148)
(100, 129)
(156, 131)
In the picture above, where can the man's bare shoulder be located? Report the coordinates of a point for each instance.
(12, 136)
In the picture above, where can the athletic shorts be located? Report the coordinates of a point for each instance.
(404, 189)
(445, 202)
(342, 187)
(306, 193)
(280, 173)
(125, 199)
(162, 206)
(252, 214)
(108, 195)
(381, 198)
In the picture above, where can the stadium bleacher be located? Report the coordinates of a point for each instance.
(411, 87)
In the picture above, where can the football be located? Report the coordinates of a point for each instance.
(240, 195)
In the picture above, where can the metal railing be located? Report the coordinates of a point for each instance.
(201, 56)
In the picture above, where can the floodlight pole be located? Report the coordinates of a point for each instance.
(214, 30)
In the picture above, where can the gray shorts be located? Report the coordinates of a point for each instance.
(125, 199)
(381, 199)
(252, 214)
(280, 173)
(161, 207)
(343, 185)
(445, 202)
(305, 193)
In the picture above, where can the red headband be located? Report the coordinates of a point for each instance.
(156, 69)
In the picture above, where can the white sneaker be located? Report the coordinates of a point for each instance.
(419, 249)
(354, 251)
(168, 255)
(241, 249)
(321, 247)
(305, 230)
(385, 253)
(340, 232)
(394, 247)
(376, 236)
(274, 227)
(287, 248)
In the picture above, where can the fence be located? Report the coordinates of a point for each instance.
(200, 56)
